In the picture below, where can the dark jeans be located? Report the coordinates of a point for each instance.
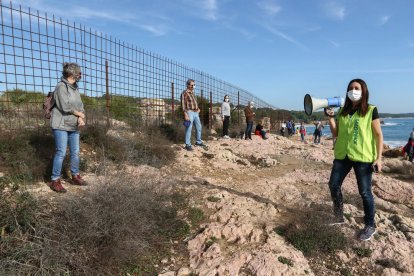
(363, 172)
(226, 123)
(249, 129)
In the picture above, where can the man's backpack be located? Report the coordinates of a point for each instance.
(48, 104)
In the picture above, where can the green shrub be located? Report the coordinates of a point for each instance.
(363, 252)
(213, 199)
(285, 260)
(195, 215)
(310, 234)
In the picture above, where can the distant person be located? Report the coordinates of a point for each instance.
(191, 115)
(283, 128)
(248, 112)
(412, 134)
(225, 113)
(318, 132)
(67, 117)
(408, 149)
(302, 131)
(289, 127)
(358, 145)
(260, 131)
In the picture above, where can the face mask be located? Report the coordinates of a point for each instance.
(227, 100)
(77, 77)
(354, 95)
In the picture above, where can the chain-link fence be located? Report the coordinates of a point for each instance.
(120, 82)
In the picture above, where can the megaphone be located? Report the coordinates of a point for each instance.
(313, 104)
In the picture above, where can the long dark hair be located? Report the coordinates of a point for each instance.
(363, 103)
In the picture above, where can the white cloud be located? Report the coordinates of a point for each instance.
(335, 10)
(384, 20)
(269, 7)
(285, 36)
(335, 44)
(210, 8)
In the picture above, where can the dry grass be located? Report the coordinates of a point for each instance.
(118, 223)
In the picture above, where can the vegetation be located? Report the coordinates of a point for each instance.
(122, 224)
(310, 234)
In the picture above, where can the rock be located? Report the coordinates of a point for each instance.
(184, 271)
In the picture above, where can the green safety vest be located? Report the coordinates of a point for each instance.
(356, 138)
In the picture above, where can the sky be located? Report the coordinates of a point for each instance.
(279, 50)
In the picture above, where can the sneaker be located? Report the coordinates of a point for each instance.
(200, 144)
(188, 147)
(367, 233)
(226, 137)
(56, 186)
(78, 180)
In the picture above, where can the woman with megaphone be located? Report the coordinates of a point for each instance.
(358, 145)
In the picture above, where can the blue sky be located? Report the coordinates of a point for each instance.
(278, 50)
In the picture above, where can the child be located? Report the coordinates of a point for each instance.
(302, 131)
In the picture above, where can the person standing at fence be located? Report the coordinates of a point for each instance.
(67, 116)
(191, 115)
(225, 113)
(248, 112)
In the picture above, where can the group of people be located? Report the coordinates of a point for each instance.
(356, 128)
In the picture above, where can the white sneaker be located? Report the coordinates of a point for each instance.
(226, 137)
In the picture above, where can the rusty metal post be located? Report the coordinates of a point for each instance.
(172, 103)
(210, 115)
(238, 107)
(107, 94)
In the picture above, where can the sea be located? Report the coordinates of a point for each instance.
(395, 131)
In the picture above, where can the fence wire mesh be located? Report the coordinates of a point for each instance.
(120, 82)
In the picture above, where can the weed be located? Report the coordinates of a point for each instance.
(209, 243)
(346, 271)
(213, 199)
(195, 215)
(280, 231)
(310, 234)
(285, 260)
(363, 252)
(348, 215)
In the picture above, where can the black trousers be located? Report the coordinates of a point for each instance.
(226, 123)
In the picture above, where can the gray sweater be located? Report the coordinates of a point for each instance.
(68, 100)
(225, 109)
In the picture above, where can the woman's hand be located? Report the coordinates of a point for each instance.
(378, 163)
(81, 122)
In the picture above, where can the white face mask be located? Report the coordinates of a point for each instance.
(227, 100)
(354, 95)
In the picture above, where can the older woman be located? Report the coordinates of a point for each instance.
(358, 145)
(68, 116)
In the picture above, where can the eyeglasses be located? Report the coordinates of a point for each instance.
(192, 85)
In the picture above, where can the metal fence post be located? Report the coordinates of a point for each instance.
(210, 115)
(172, 103)
(107, 93)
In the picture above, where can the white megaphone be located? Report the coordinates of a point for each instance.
(313, 104)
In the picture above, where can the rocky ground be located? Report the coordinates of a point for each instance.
(250, 189)
(253, 187)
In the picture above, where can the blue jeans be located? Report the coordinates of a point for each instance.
(194, 118)
(249, 128)
(62, 139)
(363, 172)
